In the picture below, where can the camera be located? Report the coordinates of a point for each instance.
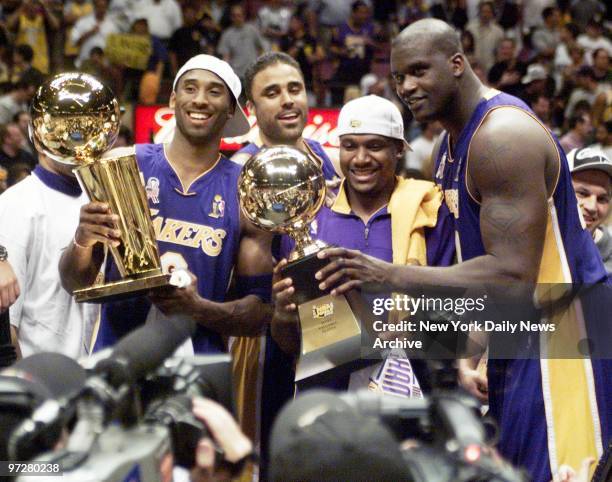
(144, 431)
(365, 436)
(450, 441)
(127, 417)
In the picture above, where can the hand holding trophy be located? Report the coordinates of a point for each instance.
(75, 120)
(281, 190)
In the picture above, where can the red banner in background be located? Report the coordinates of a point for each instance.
(156, 124)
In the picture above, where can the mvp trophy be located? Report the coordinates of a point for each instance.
(281, 190)
(75, 119)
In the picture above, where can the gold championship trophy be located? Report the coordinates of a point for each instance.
(281, 190)
(75, 119)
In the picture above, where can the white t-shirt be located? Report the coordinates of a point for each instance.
(590, 45)
(84, 25)
(420, 154)
(274, 18)
(37, 223)
(164, 18)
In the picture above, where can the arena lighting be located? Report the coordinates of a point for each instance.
(472, 453)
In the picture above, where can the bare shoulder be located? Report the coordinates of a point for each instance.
(511, 146)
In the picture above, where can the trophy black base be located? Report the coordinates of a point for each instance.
(119, 290)
(331, 326)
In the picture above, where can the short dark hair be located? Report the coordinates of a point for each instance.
(573, 29)
(32, 77)
(575, 119)
(263, 62)
(96, 51)
(25, 51)
(18, 114)
(19, 85)
(3, 132)
(600, 49)
(17, 171)
(126, 132)
(548, 12)
(586, 71)
(356, 4)
(594, 24)
(489, 3)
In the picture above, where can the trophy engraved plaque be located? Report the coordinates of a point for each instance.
(281, 190)
(75, 120)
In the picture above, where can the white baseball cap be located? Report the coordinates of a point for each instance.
(371, 114)
(238, 124)
(588, 158)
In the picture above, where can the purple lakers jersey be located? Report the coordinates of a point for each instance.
(540, 428)
(197, 227)
(580, 264)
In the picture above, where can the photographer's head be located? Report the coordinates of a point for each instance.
(319, 437)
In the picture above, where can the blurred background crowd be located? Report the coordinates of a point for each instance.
(553, 54)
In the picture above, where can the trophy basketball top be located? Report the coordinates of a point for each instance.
(281, 189)
(75, 118)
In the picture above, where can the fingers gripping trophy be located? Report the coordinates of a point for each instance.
(281, 190)
(75, 120)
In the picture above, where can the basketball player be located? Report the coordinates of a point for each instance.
(506, 181)
(274, 86)
(192, 194)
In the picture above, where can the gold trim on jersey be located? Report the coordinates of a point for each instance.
(185, 191)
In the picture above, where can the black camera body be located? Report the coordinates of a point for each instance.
(152, 427)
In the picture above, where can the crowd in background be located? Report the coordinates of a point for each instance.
(553, 55)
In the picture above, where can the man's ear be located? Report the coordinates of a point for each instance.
(172, 102)
(457, 63)
(401, 149)
(251, 108)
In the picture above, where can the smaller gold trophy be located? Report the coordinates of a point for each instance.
(281, 190)
(75, 119)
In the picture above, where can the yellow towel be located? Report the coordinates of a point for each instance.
(413, 206)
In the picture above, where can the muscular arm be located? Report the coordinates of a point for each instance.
(507, 174)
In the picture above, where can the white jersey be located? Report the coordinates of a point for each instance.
(38, 219)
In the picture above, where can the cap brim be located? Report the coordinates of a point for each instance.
(343, 133)
(238, 124)
(597, 166)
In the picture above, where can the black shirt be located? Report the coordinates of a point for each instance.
(22, 157)
(189, 41)
(303, 45)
